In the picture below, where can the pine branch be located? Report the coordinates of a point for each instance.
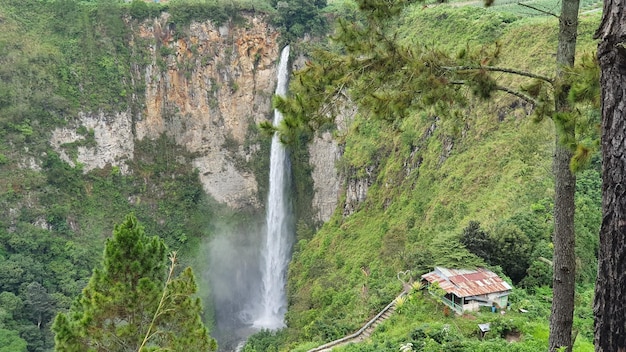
(520, 95)
(499, 69)
(101, 346)
(157, 332)
(161, 302)
(333, 96)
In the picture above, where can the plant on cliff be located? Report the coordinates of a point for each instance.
(299, 17)
(133, 303)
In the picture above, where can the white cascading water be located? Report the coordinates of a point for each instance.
(277, 248)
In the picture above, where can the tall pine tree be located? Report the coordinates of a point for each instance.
(610, 294)
(133, 302)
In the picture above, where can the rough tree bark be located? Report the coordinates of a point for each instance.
(610, 295)
(564, 259)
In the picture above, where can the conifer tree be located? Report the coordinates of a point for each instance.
(133, 302)
(388, 79)
(609, 304)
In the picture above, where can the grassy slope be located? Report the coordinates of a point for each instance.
(499, 167)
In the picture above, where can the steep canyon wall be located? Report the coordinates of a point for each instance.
(206, 87)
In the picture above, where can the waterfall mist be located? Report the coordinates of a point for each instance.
(234, 282)
(248, 269)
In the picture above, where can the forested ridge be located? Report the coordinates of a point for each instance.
(473, 190)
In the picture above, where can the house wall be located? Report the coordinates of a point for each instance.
(471, 306)
(500, 298)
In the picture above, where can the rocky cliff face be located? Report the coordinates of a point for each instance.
(216, 82)
(324, 152)
(112, 140)
(204, 88)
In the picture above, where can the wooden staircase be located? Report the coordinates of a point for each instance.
(364, 332)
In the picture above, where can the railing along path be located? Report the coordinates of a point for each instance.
(355, 337)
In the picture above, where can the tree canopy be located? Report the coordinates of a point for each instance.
(132, 302)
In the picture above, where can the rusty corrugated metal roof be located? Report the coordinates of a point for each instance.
(467, 283)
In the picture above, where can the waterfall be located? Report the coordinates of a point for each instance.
(276, 250)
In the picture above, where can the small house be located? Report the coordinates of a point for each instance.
(467, 290)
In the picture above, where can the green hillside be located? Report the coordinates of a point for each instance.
(430, 177)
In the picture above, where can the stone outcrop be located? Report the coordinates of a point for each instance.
(112, 137)
(323, 153)
(328, 184)
(356, 190)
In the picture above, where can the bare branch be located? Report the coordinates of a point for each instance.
(161, 302)
(520, 95)
(499, 69)
(547, 261)
(538, 10)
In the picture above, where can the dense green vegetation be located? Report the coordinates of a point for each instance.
(474, 191)
(421, 321)
(133, 302)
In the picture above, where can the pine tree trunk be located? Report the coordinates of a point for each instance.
(564, 279)
(610, 300)
(564, 260)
